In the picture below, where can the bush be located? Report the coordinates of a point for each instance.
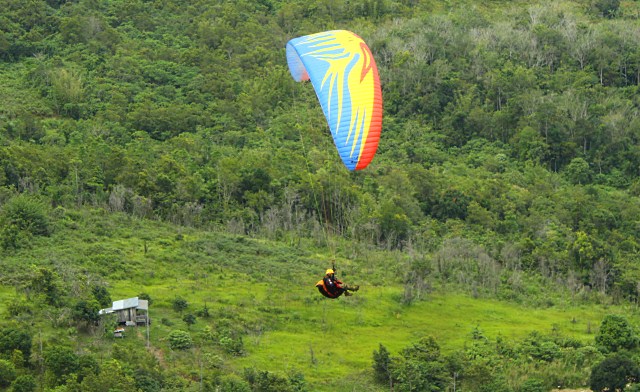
(615, 334)
(21, 218)
(179, 304)
(180, 340)
(233, 346)
(101, 294)
(25, 383)
(7, 373)
(15, 339)
(382, 365)
(61, 361)
(614, 373)
(533, 385)
(233, 383)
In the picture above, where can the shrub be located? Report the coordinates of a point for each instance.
(614, 373)
(7, 373)
(180, 340)
(382, 365)
(61, 361)
(615, 333)
(25, 383)
(233, 346)
(533, 385)
(15, 339)
(179, 304)
(233, 383)
(21, 218)
(189, 319)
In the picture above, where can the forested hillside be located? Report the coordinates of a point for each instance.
(508, 169)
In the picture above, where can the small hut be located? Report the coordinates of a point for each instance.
(130, 311)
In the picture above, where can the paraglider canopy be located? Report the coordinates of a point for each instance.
(345, 78)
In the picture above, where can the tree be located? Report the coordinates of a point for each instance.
(189, 319)
(615, 334)
(61, 361)
(24, 383)
(608, 8)
(45, 281)
(533, 385)
(614, 373)
(382, 365)
(452, 204)
(233, 383)
(12, 339)
(578, 171)
(420, 368)
(101, 294)
(112, 377)
(87, 312)
(179, 304)
(267, 381)
(7, 373)
(22, 217)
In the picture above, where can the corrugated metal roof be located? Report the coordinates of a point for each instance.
(126, 303)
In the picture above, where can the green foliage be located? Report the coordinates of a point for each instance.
(86, 311)
(578, 172)
(271, 382)
(13, 338)
(180, 340)
(179, 304)
(614, 373)
(147, 381)
(101, 294)
(61, 361)
(608, 8)
(232, 345)
(24, 383)
(145, 297)
(232, 383)
(420, 368)
(204, 312)
(508, 163)
(533, 385)
(22, 217)
(46, 282)
(112, 376)
(382, 365)
(189, 319)
(616, 334)
(7, 373)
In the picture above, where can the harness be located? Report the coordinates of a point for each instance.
(322, 288)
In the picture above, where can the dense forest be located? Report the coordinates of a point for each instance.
(508, 166)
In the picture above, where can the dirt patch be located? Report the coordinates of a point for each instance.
(159, 356)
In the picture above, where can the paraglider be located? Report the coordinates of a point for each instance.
(331, 287)
(344, 75)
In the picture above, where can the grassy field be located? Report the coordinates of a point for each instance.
(334, 340)
(266, 290)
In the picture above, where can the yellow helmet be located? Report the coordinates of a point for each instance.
(329, 272)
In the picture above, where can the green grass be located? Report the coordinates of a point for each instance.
(266, 290)
(343, 334)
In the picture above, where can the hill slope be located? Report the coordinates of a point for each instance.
(262, 311)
